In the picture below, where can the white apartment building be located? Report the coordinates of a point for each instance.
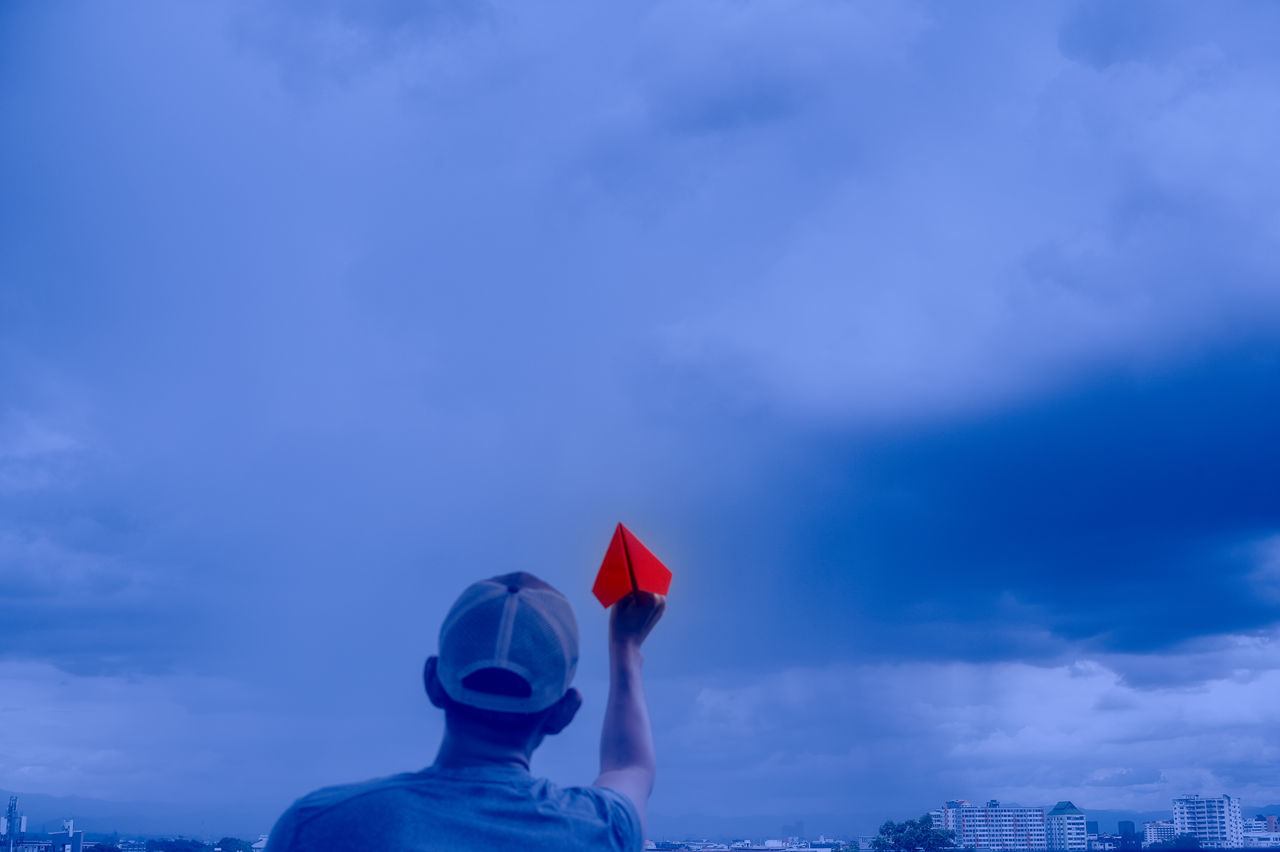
(1159, 831)
(1065, 828)
(1256, 835)
(1215, 821)
(992, 826)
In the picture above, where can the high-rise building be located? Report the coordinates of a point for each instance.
(12, 826)
(993, 826)
(1065, 828)
(1126, 828)
(1158, 831)
(1215, 821)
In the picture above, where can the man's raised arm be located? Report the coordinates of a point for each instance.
(628, 763)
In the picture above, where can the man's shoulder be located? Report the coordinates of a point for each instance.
(602, 810)
(447, 804)
(603, 803)
(329, 801)
(327, 798)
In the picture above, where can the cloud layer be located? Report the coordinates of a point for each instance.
(935, 348)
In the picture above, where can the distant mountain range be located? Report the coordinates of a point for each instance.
(142, 819)
(1108, 820)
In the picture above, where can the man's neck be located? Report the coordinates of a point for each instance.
(463, 748)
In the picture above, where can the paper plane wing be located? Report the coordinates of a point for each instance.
(628, 565)
(648, 573)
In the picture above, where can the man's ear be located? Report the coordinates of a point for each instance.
(431, 681)
(562, 712)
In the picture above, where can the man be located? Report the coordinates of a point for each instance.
(508, 651)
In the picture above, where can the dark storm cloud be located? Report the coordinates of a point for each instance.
(1118, 516)
(75, 588)
(1105, 34)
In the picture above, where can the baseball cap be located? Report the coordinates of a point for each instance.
(509, 643)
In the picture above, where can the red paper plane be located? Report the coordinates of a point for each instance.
(629, 566)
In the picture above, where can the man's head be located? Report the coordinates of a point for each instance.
(508, 653)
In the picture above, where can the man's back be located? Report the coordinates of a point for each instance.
(508, 653)
(481, 807)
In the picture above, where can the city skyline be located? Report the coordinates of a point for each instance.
(138, 820)
(933, 347)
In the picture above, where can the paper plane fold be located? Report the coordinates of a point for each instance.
(629, 566)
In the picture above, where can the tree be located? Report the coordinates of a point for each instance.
(913, 835)
(180, 844)
(232, 844)
(1178, 844)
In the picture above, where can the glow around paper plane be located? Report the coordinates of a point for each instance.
(629, 566)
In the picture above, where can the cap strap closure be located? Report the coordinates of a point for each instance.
(506, 628)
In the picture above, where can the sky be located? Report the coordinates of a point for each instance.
(935, 347)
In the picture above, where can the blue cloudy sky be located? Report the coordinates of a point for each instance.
(935, 346)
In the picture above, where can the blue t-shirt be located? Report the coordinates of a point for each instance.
(459, 810)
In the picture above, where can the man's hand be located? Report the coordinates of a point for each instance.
(634, 616)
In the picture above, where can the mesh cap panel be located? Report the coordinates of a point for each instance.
(515, 623)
